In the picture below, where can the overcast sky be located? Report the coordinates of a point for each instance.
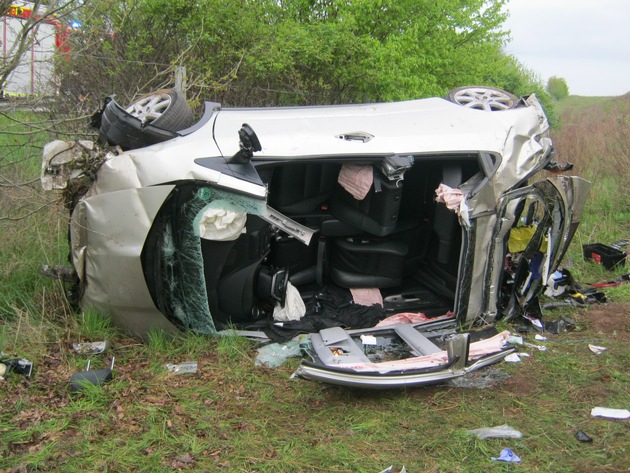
(586, 42)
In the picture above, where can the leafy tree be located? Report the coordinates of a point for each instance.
(557, 87)
(286, 52)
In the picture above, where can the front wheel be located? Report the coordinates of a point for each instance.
(482, 98)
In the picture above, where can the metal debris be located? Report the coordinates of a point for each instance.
(188, 367)
(91, 348)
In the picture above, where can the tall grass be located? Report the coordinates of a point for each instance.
(32, 233)
(596, 138)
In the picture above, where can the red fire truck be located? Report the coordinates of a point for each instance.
(34, 73)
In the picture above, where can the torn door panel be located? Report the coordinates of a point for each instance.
(397, 356)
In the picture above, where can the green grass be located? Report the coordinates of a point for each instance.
(232, 415)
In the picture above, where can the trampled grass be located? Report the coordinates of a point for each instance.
(232, 415)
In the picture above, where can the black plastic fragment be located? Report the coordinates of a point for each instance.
(582, 436)
(561, 325)
(80, 380)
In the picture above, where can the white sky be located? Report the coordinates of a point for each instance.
(586, 42)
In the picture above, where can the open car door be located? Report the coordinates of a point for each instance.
(538, 222)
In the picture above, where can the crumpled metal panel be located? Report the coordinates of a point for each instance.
(575, 191)
(108, 234)
(460, 359)
(477, 276)
(565, 196)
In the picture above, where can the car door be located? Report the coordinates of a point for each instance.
(538, 222)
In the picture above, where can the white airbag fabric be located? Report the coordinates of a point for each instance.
(294, 308)
(221, 225)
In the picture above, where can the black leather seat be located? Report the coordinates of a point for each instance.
(362, 263)
(301, 188)
(377, 213)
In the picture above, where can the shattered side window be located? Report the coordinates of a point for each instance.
(173, 256)
(384, 346)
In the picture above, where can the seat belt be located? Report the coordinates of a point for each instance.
(321, 253)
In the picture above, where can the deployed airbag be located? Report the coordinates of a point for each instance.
(219, 224)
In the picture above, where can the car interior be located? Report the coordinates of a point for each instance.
(397, 239)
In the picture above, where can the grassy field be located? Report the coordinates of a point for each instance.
(234, 416)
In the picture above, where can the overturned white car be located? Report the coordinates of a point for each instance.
(324, 220)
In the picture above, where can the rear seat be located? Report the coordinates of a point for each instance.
(301, 188)
(355, 238)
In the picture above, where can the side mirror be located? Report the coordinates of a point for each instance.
(248, 142)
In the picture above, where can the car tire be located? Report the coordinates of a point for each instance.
(166, 109)
(483, 98)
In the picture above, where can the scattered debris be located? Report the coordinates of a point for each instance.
(15, 365)
(515, 357)
(582, 436)
(82, 379)
(565, 303)
(611, 258)
(609, 413)
(507, 455)
(562, 283)
(395, 469)
(274, 355)
(515, 340)
(535, 321)
(585, 296)
(481, 379)
(540, 337)
(558, 283)
(91, 348)
(563, 324)
(188, 367)
(624, 278)
(620, 244)
(498, 432)
(597, 349)
(537, 347)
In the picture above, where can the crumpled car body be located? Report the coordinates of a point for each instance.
(193, 233)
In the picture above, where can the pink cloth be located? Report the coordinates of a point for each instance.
(409, 318)
(476, 350)
(356, 179)
(449, 196)
(367, 297)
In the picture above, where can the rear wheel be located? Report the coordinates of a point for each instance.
(483, 98)
(166, 109)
